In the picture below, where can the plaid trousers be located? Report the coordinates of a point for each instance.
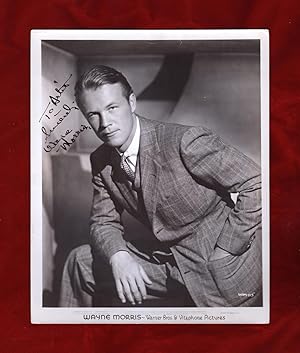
(88, 282)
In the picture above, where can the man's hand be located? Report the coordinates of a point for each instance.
(130, 278)
(218, 254)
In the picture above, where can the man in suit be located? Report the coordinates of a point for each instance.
(177, 181)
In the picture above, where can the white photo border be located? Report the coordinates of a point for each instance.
(228, 315)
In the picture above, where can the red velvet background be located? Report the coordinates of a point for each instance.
(17, 18)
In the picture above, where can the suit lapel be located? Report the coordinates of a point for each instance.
(148, 172)
(121, 182)
(150, 164)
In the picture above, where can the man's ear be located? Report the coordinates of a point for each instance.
(132, 102)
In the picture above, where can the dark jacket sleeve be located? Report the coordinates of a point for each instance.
(210, 159)
(106, 228)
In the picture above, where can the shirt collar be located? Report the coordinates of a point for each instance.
(133, 148)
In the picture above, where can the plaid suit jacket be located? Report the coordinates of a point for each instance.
(185, 176)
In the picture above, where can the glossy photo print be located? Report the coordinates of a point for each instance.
(150, 176)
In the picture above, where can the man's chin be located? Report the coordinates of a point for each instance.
(112, 143)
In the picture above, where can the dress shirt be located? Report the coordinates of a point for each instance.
(133, 149)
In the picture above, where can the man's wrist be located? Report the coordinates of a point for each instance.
(118, 254)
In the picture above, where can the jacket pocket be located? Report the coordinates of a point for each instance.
(238, 278)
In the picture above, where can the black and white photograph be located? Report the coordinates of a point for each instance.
(150, 176)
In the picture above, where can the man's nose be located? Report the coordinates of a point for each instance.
(103, 121)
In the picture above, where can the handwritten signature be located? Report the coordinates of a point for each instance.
(68, 110)
(65, 142)
(55, 100)
(56, 112)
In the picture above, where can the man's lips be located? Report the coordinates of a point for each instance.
(108, 134)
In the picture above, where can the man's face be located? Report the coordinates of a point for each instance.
(109, 113)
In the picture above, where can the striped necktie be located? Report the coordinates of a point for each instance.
(126, 168)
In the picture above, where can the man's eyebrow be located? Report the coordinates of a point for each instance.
(106, 107)
(111, 104)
